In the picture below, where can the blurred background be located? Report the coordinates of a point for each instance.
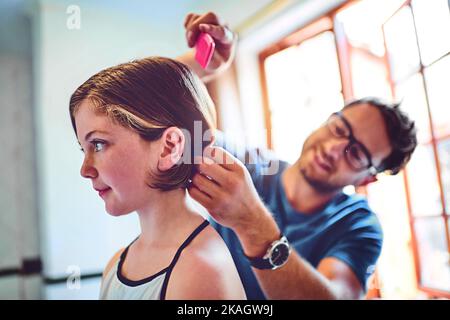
(297, 61)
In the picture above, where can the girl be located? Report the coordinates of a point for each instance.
(134, 123)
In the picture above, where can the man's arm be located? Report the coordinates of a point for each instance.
(231, 199)
(235, 203)
(297, 279)
(225, 41)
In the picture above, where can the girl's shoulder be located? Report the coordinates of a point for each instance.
(112, 261)
(205, 270)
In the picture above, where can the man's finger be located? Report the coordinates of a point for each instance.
(192, 30)
(219, 33)
(221, 157)
(191, 36)
(213, 170)
(206, 185)
(200, 196)
(188, 19)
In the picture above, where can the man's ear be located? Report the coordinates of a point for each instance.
(367, 180)
(172, 142)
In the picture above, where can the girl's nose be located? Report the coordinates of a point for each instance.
(87, 169)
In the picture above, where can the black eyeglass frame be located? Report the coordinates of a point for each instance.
(353, 141)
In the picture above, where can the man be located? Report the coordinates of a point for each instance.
(336, 238)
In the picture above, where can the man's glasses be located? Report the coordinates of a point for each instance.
(356, 154)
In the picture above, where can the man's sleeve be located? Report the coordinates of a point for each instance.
(360, 247)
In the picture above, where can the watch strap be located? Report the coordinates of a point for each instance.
(264, 262)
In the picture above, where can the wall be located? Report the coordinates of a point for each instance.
(19, 243)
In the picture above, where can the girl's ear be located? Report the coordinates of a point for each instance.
(172, 142)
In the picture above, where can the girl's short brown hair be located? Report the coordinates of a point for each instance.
(148, 96)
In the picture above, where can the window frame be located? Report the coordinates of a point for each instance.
(328, 22)
(433, 142)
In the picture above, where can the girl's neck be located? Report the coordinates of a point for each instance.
(168, 219)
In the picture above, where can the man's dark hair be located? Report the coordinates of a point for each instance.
(401, 131)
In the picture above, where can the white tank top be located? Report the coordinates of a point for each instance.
(116, 287)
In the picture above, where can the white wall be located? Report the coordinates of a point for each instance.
(19, 239)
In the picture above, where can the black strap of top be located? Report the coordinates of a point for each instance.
(177, 255)
(133, 283)
(124, 252)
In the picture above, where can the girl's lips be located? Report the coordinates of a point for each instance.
(101, 193)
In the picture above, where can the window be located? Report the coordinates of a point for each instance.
(420, 73)
(392, 49)
(301, 89)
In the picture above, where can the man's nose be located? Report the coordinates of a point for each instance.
(335, 148)
(87, 169)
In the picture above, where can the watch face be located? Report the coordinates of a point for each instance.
(280, 254)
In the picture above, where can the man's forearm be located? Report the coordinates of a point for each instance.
(297, 279)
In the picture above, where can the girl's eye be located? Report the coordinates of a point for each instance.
(98, 145)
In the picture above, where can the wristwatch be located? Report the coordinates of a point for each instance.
(276, 256)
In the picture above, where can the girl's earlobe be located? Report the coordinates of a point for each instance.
(173, 146)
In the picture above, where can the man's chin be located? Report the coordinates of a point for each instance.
(319, 185)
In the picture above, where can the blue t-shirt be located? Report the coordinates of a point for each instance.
(346, 229)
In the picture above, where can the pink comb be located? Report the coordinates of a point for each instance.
(204, 49)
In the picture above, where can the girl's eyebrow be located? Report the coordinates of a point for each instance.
(92, 132)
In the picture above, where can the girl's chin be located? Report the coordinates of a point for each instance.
(117, 212)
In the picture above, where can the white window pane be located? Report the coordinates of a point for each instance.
(432, 19)
(444, 161)
(304, 88)
(437, 79)
(401, 44)
(412, 95)
(362, 25)
(396, 264)
(433, 255)
(422, 177)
